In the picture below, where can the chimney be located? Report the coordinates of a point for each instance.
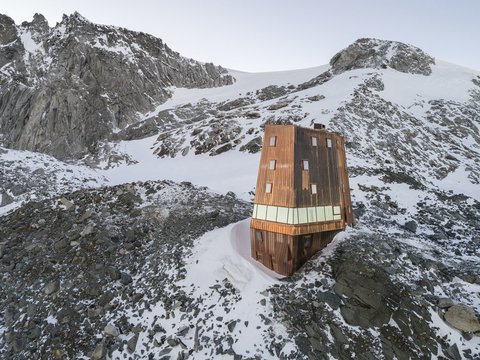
(318, 126)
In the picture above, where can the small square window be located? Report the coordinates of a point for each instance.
(273, 164)
(329, 143)
(314, 188)
(268, 188)
(273, 140)
(305, 164)
(314, 141)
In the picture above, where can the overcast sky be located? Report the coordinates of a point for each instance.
(271, 35)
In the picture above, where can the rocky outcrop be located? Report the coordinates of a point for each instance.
(66, 88)
(374, 53)
(385, 306)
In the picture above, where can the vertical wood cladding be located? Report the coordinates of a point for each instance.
(285, 247)
(282, 177)
(284, 254)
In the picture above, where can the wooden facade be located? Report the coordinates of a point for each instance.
(302, 197)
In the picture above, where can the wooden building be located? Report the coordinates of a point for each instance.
(302, 197)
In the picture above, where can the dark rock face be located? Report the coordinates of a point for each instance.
(8, 30)
(66, 88)
(373, 53)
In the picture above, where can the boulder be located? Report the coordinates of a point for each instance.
(462, 317)
(444, 303)
(111, 330)
(99, 352)
(51, 287)
(67, 203)
(411, 226)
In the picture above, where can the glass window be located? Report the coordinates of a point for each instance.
(314, 141)
(271, 213)
(314, 188)
(312, 215)
(273, 164)
(329, 143)
(258, 236)
(336, 210)
(305, 164)
(268, 188)
(261, 212)
(295, 215)
(282, 215)
(302, 216)
(273, 140)
(290, 216)
(328, 213)
(254, 215)
(320, 213)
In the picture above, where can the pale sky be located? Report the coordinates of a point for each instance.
(272, 35)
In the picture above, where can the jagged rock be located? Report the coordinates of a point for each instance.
(316, 97)
(462, 317)
(67, 203)
(374, 53)
(271, 92)
(444, 303)
(411, 226)
(318, 80)
(231, 325)
(253, 115)
(125, 279)
(87, 230)
(6, 199)
(253, 146)
(183, 331)
(99, 352)
(52, 287)
(132, 343)
(8, 31)
(279, 105)
(111, 330)
(454, 352)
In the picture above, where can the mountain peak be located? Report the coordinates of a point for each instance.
(76, 17)
(375, 53)
(8, 30)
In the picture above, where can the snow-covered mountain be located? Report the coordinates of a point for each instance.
(135, 216)
(65, 88)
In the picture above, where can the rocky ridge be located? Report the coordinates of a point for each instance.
(64, 89)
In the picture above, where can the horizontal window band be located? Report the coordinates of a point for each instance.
(297, 216)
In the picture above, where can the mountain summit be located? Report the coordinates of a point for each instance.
(380, 54)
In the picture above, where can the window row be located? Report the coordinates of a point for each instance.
(296, 216)
(272, 165)
(313, 139)
(269, 186)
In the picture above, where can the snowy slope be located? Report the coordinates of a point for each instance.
(413, 144)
